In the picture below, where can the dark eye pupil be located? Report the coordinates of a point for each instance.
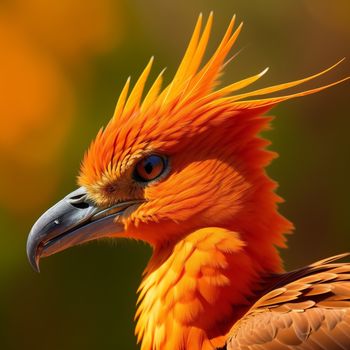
(148, 167)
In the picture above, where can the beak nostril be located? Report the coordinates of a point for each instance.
(78, 199)
(79, 205)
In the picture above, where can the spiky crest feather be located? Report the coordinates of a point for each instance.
(190, 97)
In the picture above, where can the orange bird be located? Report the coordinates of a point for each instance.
(183, 169)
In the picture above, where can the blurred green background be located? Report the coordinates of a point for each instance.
(62, 65)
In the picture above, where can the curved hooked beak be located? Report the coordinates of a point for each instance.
(72, 221)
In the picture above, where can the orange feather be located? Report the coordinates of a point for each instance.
(213, 220)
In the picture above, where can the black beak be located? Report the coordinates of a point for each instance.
(72, 221)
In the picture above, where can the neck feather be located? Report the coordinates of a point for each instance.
(192, 292)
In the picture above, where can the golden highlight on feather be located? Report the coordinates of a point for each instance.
(237, 85)
(153, 92)
(122, 99)
(191, 49)
(134, 99)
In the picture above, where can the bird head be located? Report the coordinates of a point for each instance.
(174, 160)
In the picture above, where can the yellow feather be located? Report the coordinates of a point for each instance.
(191, 61)
(222, 44)
(273, 100)
(192, 46)
(200, 50)
(136, 93)
(153, 92)
(209, 71)
(236, 86)
(284, 86)
(121, 100)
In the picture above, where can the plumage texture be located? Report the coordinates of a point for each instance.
(212, 218)
(306, 309)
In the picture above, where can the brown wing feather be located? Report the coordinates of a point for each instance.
(307, 309)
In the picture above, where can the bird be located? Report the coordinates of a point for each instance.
(183, 168)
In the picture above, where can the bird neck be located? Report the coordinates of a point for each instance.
(193, 291)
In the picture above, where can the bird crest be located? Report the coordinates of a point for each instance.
(190, 104)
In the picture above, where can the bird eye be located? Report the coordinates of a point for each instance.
(149, 168)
